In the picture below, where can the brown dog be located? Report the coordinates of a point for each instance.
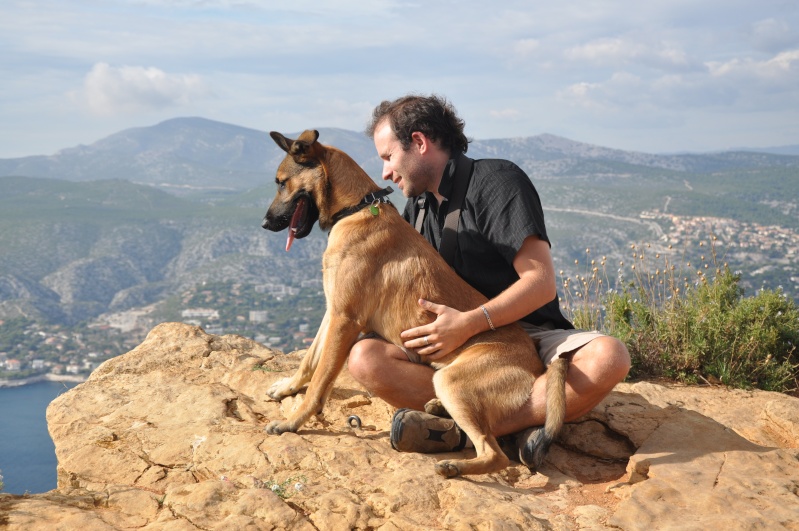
(375, 268)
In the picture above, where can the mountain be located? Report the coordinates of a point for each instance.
(190, 155)
(778, 150)
(533, 153)
(92, 229)
(182, 155)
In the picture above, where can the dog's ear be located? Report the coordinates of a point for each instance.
(310, 136)
(300, 149)
(305, 149)
(302, 146)
(283, 142)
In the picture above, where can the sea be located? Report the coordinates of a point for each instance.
(27, 453)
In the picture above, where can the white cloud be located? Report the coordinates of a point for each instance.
(741, 84)
(525, 47)
(601, 50)
(532, 67)
(619, 51)
(581, 95)
(772, 35)
(783, 67)
(329, 7)
(509, 113)
(112, 90)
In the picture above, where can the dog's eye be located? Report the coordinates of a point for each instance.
(281, 185)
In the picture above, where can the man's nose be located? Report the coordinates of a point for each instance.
(387, 172)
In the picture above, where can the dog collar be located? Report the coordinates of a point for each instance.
(371, 199)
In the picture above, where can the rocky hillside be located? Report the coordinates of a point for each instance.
(170, 436)
(75, 250)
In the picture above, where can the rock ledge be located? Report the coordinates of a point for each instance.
(170, 437)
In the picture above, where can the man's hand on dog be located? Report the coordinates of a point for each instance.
(450, 329)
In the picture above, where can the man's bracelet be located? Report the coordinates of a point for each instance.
(488, 317)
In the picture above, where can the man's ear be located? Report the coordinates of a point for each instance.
(420, 141)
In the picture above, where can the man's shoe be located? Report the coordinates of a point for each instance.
(524, 446)
(531, 447)
(417, 431)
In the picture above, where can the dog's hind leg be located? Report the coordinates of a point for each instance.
(291, 385)
(490, 457)
(334, 348)
(479, 389)
(470, 411)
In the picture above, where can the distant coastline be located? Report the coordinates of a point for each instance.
(42, 378)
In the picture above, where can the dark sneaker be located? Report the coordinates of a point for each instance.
(417, 431)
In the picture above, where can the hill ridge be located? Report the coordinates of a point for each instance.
(207, 153)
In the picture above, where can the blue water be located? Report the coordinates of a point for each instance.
(27, 453)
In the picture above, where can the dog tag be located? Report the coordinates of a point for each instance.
(373, 209)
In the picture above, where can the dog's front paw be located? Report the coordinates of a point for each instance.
(281, 389)
(276, 427)
(448, 469)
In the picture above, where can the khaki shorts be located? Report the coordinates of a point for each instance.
(552, 342)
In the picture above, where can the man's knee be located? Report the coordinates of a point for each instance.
(616, 356)
(609, 358)
(365, 359)
(358, 362)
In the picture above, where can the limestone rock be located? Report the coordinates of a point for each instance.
(170, 437)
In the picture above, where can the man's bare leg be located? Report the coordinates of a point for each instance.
(594, 371)
(385, 371)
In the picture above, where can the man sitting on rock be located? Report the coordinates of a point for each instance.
(503, 251)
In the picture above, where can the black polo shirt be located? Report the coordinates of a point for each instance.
(500, 210)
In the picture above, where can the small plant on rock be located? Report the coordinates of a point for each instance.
(284, 489)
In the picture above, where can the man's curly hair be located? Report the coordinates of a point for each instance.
(432, 115)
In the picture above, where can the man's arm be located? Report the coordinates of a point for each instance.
(451, 329)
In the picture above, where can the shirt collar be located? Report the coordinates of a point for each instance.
(448, 179)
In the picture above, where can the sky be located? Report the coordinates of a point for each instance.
(659, 76)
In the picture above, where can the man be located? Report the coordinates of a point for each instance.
(503, 251)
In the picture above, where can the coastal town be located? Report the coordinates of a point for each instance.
(277, 315)
(767, 255)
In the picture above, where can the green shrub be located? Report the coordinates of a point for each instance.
(682, 324)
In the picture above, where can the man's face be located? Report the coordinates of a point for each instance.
(405, 168)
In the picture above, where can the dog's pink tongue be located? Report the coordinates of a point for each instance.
(290, 238)
(295, 219)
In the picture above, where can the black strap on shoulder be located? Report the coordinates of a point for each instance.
(422, 202)
(449, 240)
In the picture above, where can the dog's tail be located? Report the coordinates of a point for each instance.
(536, 449)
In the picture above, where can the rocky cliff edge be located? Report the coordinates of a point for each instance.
(170, 437)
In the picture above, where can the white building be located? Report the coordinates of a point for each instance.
(200, 313)
(259, 316)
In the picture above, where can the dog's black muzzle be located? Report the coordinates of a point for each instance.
(299, 215)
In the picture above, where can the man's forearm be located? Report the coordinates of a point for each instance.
(534, 289)
(522, 298)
